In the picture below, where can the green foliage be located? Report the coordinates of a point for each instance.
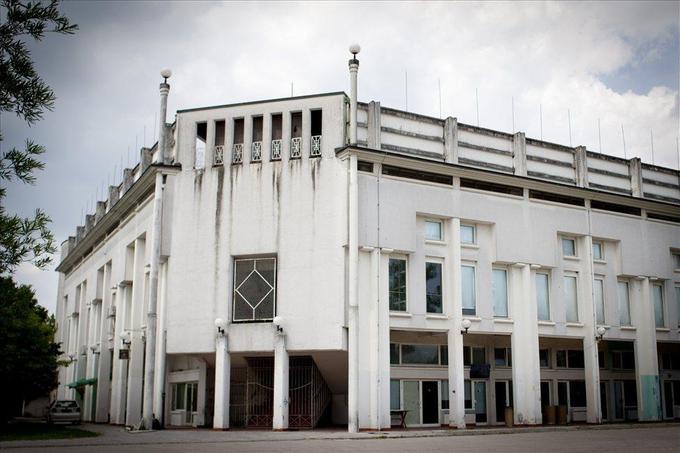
(23, 92)
(28, 356)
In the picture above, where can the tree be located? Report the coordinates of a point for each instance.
(28, 356)
(23, 92)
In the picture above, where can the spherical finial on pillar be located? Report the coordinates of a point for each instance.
(354, 49)
(166, 73)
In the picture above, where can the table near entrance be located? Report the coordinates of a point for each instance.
(402, 416)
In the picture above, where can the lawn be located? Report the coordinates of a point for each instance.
(41, 431)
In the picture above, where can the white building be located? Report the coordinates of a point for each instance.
(408, 263)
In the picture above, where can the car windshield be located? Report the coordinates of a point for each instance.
(62, 404)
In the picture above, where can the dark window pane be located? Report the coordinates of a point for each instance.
(433, 283)
(500, 358)
(544, 358)
(575, 358)
(419, 354)
(466, 355)
(561, 359)
(577, 393)
(397, 281)
(478, 356)
(444, 355)
(394, 354)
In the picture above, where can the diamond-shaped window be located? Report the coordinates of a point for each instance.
(254, 288)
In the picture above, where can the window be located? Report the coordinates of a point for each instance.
(500, 293)
(569, 358)
(394, 354)
(397, 282)
(417, 175)
(444, 354)
(623, 360)
(433, 230)
(433, 284)
(598, 295)
(624, 304)
(577, 393)
(237, 147)
(491, 187)
(445, 394)
(657, 296)
(419, 354)
(598, 251)
(571, 298)
(601, 360)
(201, 138)
(185, 396)
(677, 303)
(218, 155)
(395, 394)
(502, 357)
(676, 260)
(256, 145)
(254, 289)
(568, 247)
(544, 358)
(561, 358)
(362, 165)
(469, 294)
(474, 355)
(316, 117)
(468, 393)
(277, 133)
(295, 135)
(468, 234)
(543, 297)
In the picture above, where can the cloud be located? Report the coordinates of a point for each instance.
(556, 56)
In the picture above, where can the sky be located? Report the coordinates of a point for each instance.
(579, 63)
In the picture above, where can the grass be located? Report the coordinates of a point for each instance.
(41, 431)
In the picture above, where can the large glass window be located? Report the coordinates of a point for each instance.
(474, 355)
(433, 283)
(624, 304)
(568, 247)
(502, 357)
(420, 354)
(577, 393)
(395, 394)
(542, 297)
(571, 298)
(469, 293)
(254, 289)
(433, 230)
(500, 293)
(397, 267)
(598, 294)
(468, 234)
(185, 396)
(657, 296)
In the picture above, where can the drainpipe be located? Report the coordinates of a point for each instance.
(156, 227)
(353, 70)
(353, 207)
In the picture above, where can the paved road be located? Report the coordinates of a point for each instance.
(644, 439)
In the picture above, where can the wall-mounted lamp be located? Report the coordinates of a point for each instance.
(600, 333)
(278, 323)
(126, 338)
(221, 326)
(466, 325)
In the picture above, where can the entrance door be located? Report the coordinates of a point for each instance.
(480, 401)
(501, 400)
(618, 400)
(412, 402)
(430, 400)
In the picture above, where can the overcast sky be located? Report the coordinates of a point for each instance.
(616, 62)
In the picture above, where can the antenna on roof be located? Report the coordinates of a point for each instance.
(291, 89)
(153, 138)
(439, 82)
(651, 137)
(512, 100)
(143, 138)
(599, 135)
(677, 148)
(569, 120)
(477, 103)
(406, 89)
(540, 109)
(623, 138)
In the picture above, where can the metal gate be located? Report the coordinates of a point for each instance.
(260, 392)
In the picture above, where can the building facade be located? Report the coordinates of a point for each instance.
(315, 260)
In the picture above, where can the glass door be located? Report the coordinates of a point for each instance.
(412, 402)
(430, 399)
(480, 401)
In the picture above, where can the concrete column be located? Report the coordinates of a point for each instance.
(374, 134)
(519, 153)
(353, 70)
(222, 383)
(162, 130)
(526, 371)
(120, 366)
(586, 313)
(451, 140)
(136, 361)
(454, 309)
(159, 375)
(635, 172)
(646, 362)
(353, 300)
(281, 363)
(103, 383)
(581, 166)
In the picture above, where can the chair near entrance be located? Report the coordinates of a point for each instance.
(401, 415)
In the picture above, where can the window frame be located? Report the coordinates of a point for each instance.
(474, 233)
(618, 297)
(441, 230)
(440, 263)
(234, 288)
(473, 266)
(403, 258)
(603, 321)
(548, 297)
(600, 244)
(662, 309)
(573, 241)
(507, 290)
(570, 275)
(507, 357)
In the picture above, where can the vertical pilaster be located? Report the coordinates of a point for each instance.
(374, 135)
(635, 172)
(136, 362)
(646, 362)
(519, 153)
(103, 382)
(159, 375)
(526, 371)
(222, 382)
(281, 367)
(454, 309)
(451, 140)
(586, 308)
(120, 366)
(353, 299)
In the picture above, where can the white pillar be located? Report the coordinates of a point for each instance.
(587, 316)
(353, 70)
(103, 382)
(646, 362)
(159, 375)
(281, 400)
(353, 301)
(454, 307)
(136, 362)
(120, 366)
(526, 371)
(222, 382)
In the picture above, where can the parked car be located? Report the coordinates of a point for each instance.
(63, 411)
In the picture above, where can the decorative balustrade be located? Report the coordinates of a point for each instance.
(276, 149)
(237, 153)
(218, 155)
(256, 152)
(296, 147)
(316, 146)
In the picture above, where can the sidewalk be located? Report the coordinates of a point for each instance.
(116, 435)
